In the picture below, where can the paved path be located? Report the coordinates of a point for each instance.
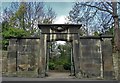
(54, 75)
(54, 79)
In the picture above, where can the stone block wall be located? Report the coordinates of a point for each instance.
(90, 57)
(23, 57)
(96, 58)
(4, 62)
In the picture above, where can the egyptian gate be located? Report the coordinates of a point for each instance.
(91, 55)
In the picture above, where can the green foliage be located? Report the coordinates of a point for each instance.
(20, 14)
(4, 43)
(21, 22)
(58, 64)
(21, 11)
(96, 33)
(51, 66)
(15, 32)
(67, 66)
(107, 32)
(18, 18)
(8, 31)
(61, 62)
(110, 31)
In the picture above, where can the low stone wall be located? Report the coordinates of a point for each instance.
(25, 59)
(96, 58)
(4, 63)
(90, 58)
(22, 57)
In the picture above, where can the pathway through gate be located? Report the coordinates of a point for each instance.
(54, 75)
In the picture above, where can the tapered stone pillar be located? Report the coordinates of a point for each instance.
(107, 59)
(47, 58)
(42, 58)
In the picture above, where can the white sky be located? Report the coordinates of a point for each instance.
(61, 42)
(60, 20)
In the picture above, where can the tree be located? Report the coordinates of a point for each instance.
(111, 8)
(21, 18)
(61, 56)
(8, 31)
(104, 14)
(75, 17)
(53, 49)
(20, 14)
(94, 15)
(27, 15)
(50, 16)
(82, 15)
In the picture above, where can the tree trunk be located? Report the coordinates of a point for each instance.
(116, 35)
(117, 42)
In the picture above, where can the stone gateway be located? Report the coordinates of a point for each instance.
(91, 55)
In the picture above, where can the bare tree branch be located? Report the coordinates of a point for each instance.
(118, 2)
(107, 9)
(98, 8)
(109, 4)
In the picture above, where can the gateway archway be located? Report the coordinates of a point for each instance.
(92, 55)
(64, 32)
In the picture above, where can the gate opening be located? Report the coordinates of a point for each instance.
(60, 62)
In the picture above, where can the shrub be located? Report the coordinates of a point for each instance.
(51, 66)
(67, 66)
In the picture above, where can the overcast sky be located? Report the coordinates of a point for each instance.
(61, 9)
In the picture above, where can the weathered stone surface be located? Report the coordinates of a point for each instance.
(115, 63)
(12, 42)
(90, 60)
(119, 66)
(26, 53)
(87, 59)
(12, 54)
(11, 67)
(4, 62)
(12, 48)
(107, 58)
